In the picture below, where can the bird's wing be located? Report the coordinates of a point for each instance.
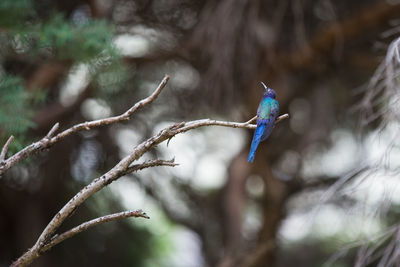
(274, 109)
(268, 109)
(266, 115)
(269, 121)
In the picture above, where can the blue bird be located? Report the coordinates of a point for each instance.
(266, 115)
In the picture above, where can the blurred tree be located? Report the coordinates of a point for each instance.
(41, 43)
(60, 59)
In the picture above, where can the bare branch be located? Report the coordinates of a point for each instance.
(86, 225)
(53, 130)
(116, 172)
(150, 163)
(5, 149)
(47, 142)
(47, 237)
(252, 119)
(281, 118)
(119, 170)
(208, 122)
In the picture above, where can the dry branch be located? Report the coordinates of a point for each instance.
(5, 149)
(86, 225)
(48, 141)
(122, 168)
(47, 237)
(150, 163)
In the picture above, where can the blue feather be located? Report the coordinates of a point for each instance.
(258, 133)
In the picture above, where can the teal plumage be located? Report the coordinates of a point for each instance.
(267, 113)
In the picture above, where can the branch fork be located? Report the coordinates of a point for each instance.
(48, 238)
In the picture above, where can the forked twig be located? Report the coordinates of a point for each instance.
(86, 225)
(48, 140)
(5, 149)
(48, 238)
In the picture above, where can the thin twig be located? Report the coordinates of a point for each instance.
(53, 130)
(208, 122)
(281, 118)
(48, 141)
(119, 170)
(86, 225)
(116, 172)
(5, 149)
(47, 237)
(252, 119)
(150, 163)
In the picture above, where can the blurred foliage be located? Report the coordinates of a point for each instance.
(16, 109)
(14, 12)
(15, 114)
(28, 39)
(109, 76)
(57, 39)
(63, 40)
(67, 41)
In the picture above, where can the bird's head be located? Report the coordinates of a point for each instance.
(268, 92)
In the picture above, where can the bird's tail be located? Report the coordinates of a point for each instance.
(256, 140)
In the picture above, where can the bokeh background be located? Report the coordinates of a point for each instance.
(324, 188)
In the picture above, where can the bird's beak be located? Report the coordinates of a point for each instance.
(265, 87)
